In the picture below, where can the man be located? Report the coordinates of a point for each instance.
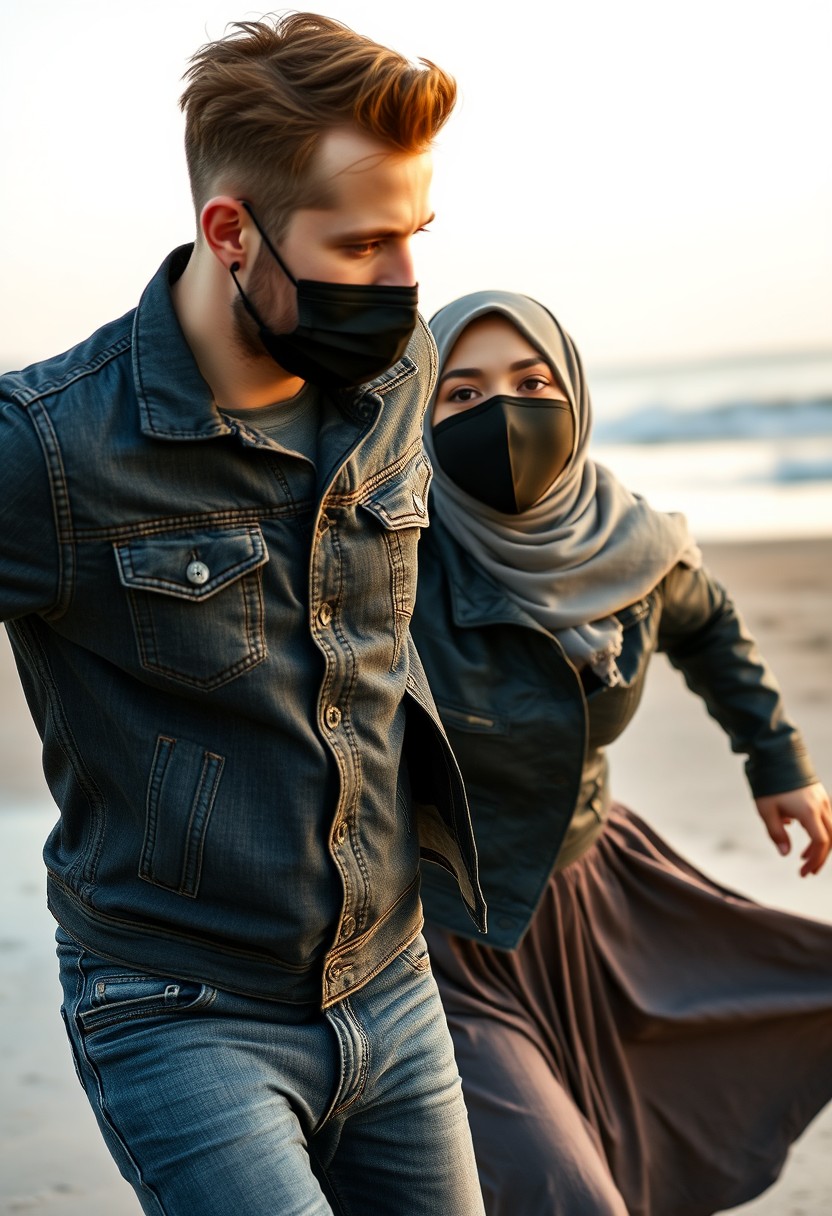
(207, 546)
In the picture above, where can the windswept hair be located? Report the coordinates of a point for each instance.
(258, 100)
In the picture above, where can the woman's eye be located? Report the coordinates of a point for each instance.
(462, 395)
(533, 384)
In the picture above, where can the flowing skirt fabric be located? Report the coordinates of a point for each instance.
(652, 1048)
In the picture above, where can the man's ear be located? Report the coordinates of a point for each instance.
(228, 231)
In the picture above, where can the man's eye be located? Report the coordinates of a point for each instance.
(365, 249)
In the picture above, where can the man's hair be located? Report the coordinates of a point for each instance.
(258, 100)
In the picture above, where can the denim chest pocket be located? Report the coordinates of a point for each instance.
(400, 506)
(196, 601)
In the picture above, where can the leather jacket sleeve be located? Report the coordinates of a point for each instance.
(704, 636)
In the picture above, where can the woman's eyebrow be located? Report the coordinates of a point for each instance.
(521, 363)
(460, 371)
(477, 371)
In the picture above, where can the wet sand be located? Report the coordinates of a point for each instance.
(674, 767)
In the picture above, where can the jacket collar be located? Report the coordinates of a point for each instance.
(475, 598)
(174, 400)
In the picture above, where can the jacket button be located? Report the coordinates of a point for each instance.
(197, 573)
(348, 926)
(335, 971)
(419, 503)
(332, 717)
(340, 833)
(325, 614)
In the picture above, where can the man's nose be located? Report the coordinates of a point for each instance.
(399, 268)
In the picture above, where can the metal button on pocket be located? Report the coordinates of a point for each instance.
(341, 833)
(348, 926)
(325, 614)
(332, 717)
(197, 573)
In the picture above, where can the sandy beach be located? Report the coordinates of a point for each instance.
(674, 767)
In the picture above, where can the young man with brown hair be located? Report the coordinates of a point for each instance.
(207, 547)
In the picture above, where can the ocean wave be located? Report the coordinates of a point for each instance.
(785, 419)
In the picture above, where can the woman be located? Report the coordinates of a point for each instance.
(632, 1038)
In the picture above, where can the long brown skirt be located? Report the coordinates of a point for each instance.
(652, 1048)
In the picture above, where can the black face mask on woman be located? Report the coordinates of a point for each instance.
(347, 333)
(506, 451)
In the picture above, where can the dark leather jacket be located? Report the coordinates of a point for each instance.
(518, 718)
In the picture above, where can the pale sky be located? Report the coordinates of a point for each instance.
(659, 174)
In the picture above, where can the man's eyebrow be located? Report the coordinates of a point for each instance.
(477, 371)
(357, 235)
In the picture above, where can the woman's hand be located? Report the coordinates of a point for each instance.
(810, 807)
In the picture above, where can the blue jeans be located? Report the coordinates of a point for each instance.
(212, 1102)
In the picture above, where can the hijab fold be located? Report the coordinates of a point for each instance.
(586, 549)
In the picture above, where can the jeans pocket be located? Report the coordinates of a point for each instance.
(116, 995)
(416, 956)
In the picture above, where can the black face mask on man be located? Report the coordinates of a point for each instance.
(506, 451)
(347, 333)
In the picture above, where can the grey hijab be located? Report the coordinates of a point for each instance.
(588, 547)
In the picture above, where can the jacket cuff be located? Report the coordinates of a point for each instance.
(789, 767)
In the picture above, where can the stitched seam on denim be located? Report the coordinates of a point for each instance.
(49, 388)
(362, 940)
(203, 805)
(144, 629)
(257, 557)
(148, 928)
(165, 747)
(389, 471)
(409, 518)
(87, 867)
(348, 798)
(379, 387)
(180, 523)
(398, 590)
(60, 506)
(388, 958)
(348, 696)
(276, 471)
(102, 1017)
(360, 1084)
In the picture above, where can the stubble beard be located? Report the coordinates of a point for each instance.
(277, 309)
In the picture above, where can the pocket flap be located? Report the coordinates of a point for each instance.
(402, 501)
(190, 565)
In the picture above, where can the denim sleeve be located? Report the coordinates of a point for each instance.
(29, 550)
(705, 637)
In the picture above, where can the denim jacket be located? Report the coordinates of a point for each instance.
(213, 638)
(530, 737)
